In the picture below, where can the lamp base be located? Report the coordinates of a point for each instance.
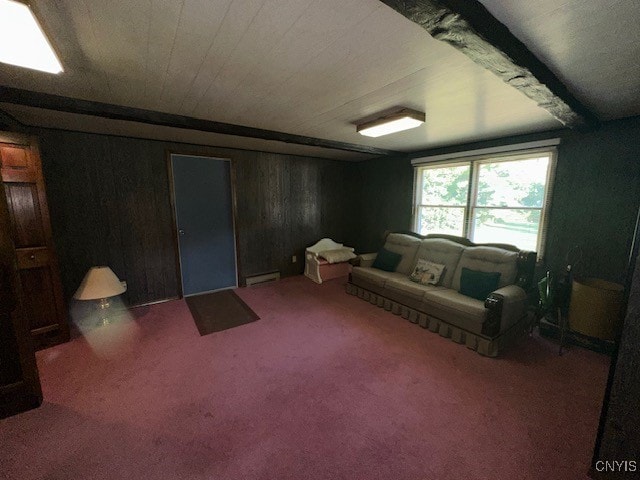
(103, 311)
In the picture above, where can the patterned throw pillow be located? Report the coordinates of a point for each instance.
(426, 272)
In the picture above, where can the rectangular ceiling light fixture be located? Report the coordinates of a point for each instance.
(22, 41)
(403, 119)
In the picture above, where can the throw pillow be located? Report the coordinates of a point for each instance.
(478, 285)
(386, 260)
(426, 272)
(338, 255)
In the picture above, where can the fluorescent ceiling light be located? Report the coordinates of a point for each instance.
(22, 41)
(395, 122)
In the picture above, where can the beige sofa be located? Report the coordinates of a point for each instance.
(485, 326)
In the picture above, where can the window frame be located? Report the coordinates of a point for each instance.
(474, 163)
(417, 193)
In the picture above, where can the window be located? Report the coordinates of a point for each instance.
(443, 194)
(490, 199)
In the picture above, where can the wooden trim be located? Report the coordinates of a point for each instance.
(153, 302)
(26, 392)
(469, 155)
(15, 138)
(49, 328)
(18, 176)
(234, 213)
(469, 27)
(494, 304)
(48, 233)
(468, 227)
(9, 121)
(202, 147)
(117, 112)
(11, 387)
(174, 221)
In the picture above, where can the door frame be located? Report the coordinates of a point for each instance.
(174, 219)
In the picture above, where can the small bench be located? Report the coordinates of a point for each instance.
(327, 260)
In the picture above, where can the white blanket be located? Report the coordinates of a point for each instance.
(338, 255)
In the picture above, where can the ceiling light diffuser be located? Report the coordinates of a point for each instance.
(404, 119)
(22, 41)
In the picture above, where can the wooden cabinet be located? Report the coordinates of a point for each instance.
(19, 380)
(30, 227)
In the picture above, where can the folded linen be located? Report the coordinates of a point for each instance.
(338, 255)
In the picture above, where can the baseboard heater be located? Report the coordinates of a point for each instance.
(262, 278)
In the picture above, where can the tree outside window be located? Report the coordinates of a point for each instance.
(499, 200)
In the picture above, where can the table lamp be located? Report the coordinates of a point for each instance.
(100, 283)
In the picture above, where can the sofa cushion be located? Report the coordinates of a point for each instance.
(404, 285)
(444, 252)
(386, 260)
(402, 290)
(477, 284)
(455, 308)
(405, 245)
(370, 275)
(488, 259)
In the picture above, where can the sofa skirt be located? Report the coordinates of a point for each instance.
(486, 346)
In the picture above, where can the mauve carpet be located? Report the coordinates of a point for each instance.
(325, 386)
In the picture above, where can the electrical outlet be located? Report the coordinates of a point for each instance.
(124, 283)
(294, 259)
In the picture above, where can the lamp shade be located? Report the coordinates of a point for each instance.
(98, 283)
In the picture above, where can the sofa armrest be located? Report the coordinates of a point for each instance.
(505, 307)
(363, 260)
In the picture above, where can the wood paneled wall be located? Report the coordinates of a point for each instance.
(618, 438)
(110, 205)
(285, 204)
(595, 200)
(384, 200)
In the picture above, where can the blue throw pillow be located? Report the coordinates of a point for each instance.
(478, 285)
(386, 260)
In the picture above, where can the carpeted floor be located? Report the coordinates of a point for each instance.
(325, 386)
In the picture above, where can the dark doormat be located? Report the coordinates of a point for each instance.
(213, 312)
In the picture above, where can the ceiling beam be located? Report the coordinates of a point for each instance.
(117, 112)
(469, 27)
(8, 122)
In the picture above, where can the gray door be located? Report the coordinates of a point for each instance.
(204, 218)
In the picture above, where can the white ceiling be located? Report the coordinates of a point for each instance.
(313, 68)
(593, 46)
